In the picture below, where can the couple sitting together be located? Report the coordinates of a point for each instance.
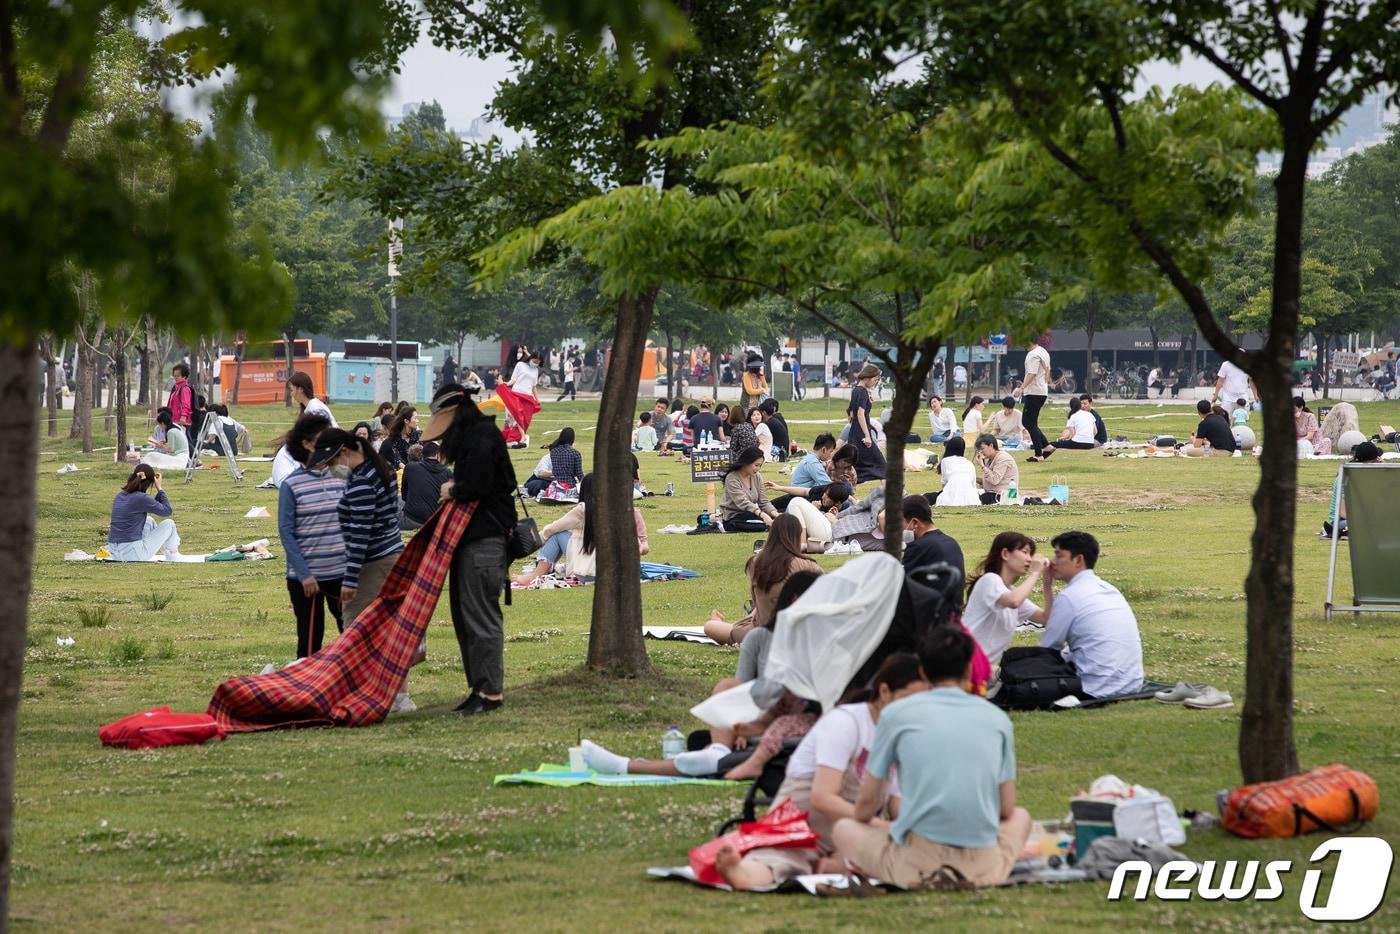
(910, 781)
(1089, 622)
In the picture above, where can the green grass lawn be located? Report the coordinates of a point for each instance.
(398, 825)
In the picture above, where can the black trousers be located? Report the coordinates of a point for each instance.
(1031, 419)
(311, 613)
(988, 499)
(1074, 445)
(479, 571)
(568, 391)
(535, 486)
(744, 522)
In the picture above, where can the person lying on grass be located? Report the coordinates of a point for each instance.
(785, 714)
(781, 557)
(956, 762)
(819, 513)
(766, 694)
(823, 776)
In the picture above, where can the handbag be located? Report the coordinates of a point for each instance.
(1059, 490)
(524, 539)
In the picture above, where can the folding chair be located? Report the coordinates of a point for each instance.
(210, 428)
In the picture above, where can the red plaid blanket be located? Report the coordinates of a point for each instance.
(352, 681)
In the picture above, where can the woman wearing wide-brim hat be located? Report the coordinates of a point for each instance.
(755, 383)
(870, 462)
(482, 473)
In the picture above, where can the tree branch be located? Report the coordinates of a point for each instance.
(1324, 123)
(1192, 295)
(869, 315)
(58, 115)
(1110, 103)
(1312, 40)
(1229, 68)
(507, 40)
(1285, 41)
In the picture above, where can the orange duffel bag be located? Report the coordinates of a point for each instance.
(1328, 798)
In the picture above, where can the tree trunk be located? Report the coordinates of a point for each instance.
(143, 358)
(1266, 747)
(1325, 363)
(826, 377)
(1156, 349)
(615, 636)
(51, 387)
(82, 389)
(119, 384)
(913, 370)
(19, 455)
(240, 347)
(950, 391)
(111, 382)
(290, 368)
(672, 384)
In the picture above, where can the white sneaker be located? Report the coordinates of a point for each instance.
(1210, 699)
(403, 703)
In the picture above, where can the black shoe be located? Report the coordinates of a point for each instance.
(477, 704)
(466, 702)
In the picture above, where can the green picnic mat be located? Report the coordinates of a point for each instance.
(560, 777)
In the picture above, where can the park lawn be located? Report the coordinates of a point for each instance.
(398, 825)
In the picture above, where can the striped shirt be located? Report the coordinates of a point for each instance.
(309, 526)
(369, 520)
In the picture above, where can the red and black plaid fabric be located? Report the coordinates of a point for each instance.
(352, 681)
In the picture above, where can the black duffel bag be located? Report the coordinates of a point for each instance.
(1033, 678)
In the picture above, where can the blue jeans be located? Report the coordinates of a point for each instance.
(156, 537)
(555, 549)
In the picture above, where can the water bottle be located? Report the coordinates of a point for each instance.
(672, 743)
(1012, 493)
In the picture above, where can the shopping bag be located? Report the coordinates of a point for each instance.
(1059, 490)
(784, 827)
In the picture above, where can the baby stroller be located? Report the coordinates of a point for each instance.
(869, 594)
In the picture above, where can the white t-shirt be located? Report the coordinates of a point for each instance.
(317, 407)
(1152, 376)
(1037, 373)
(991, 625)
(943, 422)
(973, 422)
(1236, 385)
(524, 378)
(1084, 427)
(842, 734)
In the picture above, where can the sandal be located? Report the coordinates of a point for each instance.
(945, 879)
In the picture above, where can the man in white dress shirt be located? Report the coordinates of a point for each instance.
(1092, 622)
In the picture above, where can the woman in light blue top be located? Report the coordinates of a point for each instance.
(133, 535)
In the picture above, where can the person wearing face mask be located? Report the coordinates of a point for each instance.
(308, 523)
(996, 603)
(369, 515)
(928, 544)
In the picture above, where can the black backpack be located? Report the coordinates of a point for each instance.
(1033, 678)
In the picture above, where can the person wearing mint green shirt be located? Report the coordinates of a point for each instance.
(956, 760)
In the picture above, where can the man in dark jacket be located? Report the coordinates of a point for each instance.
(422, 486)
(782, 439)
(482, 473)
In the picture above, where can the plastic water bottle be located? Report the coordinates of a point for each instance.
(1012, 494)
(672, 743)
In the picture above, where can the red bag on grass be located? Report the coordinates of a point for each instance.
(784, 827)
(1326, 798)
(159, 727)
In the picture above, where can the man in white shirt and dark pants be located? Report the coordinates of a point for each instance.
(1092, 622)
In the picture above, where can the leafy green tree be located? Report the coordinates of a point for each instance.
(66, 208)
(1069, 69)
(588, 107)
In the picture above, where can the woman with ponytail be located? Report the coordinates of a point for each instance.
(133, 534)
(369, 515)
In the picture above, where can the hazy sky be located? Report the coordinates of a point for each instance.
(464, 84)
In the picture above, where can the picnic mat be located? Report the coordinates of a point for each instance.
(352, 681)
(1025, 872)
(1149, 688)
(560, 777)
(79, 555)
(678, 634)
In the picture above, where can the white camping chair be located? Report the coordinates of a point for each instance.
(212, 427)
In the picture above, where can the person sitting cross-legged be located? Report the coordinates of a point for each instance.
(1079, 434)
(956, 760)
(1092, 622)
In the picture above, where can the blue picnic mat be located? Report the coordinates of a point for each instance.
(665, 572)
(560, 777)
